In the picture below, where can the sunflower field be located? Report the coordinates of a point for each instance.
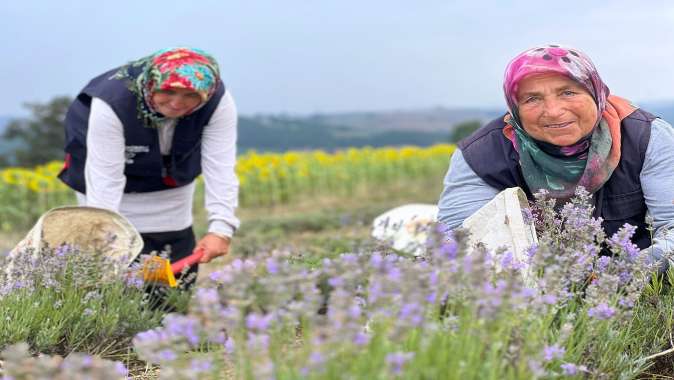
(266, 179)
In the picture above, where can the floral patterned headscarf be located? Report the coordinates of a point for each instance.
(590, 161)
(172, 68)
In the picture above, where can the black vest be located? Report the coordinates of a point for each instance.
(145, 169)
(491, 155)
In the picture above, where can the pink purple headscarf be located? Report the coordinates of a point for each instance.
(591, 160)
(553, 58)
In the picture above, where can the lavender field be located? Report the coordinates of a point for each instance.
(306, 294)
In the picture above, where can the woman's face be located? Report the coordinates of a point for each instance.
(175, 102)
(555, 109)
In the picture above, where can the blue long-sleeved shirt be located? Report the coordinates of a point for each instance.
(465, 192)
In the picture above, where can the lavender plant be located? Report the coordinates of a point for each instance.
(21, 365)
(447, 314)
(62, 299)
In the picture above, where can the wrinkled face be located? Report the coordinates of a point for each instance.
(555, 109)
(175, 102)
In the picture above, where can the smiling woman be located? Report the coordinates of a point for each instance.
(555, 109)
(564, 130)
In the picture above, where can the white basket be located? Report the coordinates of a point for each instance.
(91, 229)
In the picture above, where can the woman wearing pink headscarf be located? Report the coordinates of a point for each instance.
(137, 137)
(564, 129)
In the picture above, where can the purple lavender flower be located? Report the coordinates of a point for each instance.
(258, 322)
(148, 336)
(601, 311)
(258, 342)
(375, 260)
(528, 216)
(134, 281)
(442, 229)
(221, 277)
(536, 368)
(272, 266)
(553, 352)
(207, 296)
(87, 361)
(249, 265)
(236, 265)
(394, 274)
(396, 361)
(201, 365)
(349, 258)
(121, 369)
(621, 240)
(603, 263)
(335, 281)
(527, 293)
(355, 311)
(433, 278)
(625, 277)
(549, 299)
(316, 358)
(447, 250)
(626, 303)
(167, 355)
(361, 339)
(493, 293)
(230, 346)
(62, 250)
(569, 369)
(467, 264)
(411, 313)
(218, 337)
(182, 326)
(531, 251)
(507, 260)
(375, 291)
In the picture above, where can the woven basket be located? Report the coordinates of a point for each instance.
(88, 228)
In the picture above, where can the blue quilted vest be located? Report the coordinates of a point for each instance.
(145, 169)
(491, 155)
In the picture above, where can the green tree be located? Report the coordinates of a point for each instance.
(463, 130)
(40, 137)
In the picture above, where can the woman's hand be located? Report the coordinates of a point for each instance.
(213, 245)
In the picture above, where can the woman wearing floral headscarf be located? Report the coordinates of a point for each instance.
(564, 130)
(138, 136)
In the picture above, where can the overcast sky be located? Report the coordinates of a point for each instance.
(301, 56)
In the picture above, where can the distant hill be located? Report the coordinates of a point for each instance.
(357, 129)
(284, 133)
(427, 120)
(339, 130)
(664, 110)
